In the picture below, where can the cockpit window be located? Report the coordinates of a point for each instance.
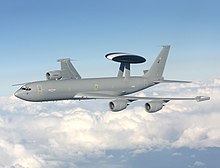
(25, 88)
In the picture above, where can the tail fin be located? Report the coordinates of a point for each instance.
(156, 70)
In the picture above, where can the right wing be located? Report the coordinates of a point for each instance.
(105, 95)
(121, 102)
(162, 80)
(67, 69)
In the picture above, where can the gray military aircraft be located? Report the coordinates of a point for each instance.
(67, 84)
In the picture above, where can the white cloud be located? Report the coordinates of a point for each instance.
(177, 154)
(16, 155)
(52, 134)
(198, 164)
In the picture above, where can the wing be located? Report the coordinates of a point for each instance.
(67, 69)
(107, 95)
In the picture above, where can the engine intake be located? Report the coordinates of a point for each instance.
(118, 105)
(54, 75)
(154, 106)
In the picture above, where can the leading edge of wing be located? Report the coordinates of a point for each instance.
(197, 98)
(94, 95)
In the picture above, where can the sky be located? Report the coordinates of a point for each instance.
(34, 34)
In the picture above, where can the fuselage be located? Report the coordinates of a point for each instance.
(67, 84)
(53, 90)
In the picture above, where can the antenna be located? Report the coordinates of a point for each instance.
(125, 60)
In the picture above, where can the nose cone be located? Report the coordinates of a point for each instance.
(25, 93)
(21, 94)
(18, 94)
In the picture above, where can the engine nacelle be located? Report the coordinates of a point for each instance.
(154, 106)
(118, 105)
(54, 75)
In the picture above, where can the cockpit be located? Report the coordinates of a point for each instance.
(26, 88)
(24, 92)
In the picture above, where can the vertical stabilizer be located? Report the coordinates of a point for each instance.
(156, 70)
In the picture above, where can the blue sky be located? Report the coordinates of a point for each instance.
(34, 34)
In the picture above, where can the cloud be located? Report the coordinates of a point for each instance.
(198, 164)
(16, 155)
(62, 134)
(177, 154)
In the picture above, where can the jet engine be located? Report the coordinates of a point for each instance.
(118, 105)
(154, 106)
(54, 75)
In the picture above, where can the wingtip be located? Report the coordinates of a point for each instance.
(19, 84)
(202, 98)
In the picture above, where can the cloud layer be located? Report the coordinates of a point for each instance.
(61, 134)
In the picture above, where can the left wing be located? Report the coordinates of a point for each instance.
(67, 69)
